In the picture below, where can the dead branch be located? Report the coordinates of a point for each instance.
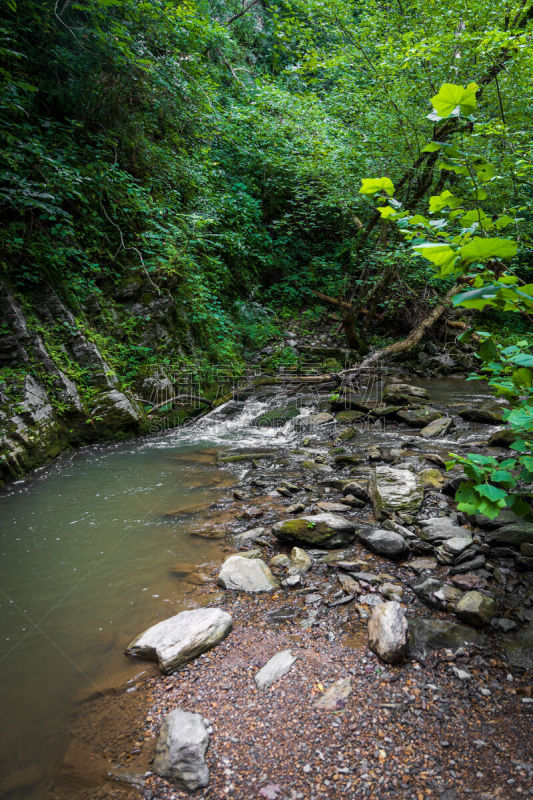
(181, 399)
(242, 12)
(411, 340)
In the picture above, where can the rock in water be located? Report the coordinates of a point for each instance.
(384, 543)
(438, 427)
(276, 668)
(179, 639)
(476, 608)
(394, 489)
(404, 393)
(419, 417)
(246, 575)
(387, 632)
(180, 750)
(327, 530)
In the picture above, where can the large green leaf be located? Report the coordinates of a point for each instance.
(372, 186)
(492, 493)
(486, 249)
(444, 200)
(477, 298)
(454, 99)
(441, 255)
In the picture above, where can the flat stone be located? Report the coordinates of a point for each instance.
(476, 608)
(180, 750)
(274, 669)
(349, 415)
(370, 600)
(334, 508)
(439, 427)
(426, 635)
(327, 530)
(246, 575)
(384, 543)
(437, 529)
(334, 698)
(179, 639)
(393, 489)
(456, 544)
(348, 584)
(387, 632)
(419, 417)
(423, 564)
(249, 536)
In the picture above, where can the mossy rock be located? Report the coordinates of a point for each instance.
(276, 418)
(349, 415)
(327, 530)
(331, 365)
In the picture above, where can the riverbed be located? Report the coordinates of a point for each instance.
(92, 552)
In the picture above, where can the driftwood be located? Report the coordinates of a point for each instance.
(182, 399)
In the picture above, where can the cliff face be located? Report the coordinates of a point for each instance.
(73, 376)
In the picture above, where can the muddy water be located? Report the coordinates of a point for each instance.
(87, 550)
(86, 557)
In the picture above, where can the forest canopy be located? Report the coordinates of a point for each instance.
(218, 147)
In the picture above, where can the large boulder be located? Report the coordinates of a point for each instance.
(180, 750)
(246, 575)
(326, 530)
(404, 394)
(384, 543)
(276, 668)
(515, 534)
(476, 608)
(393, 489)
(387, 632)
(489, 411)
(114, 412)
(419, 417)
(436, 634)
(177, 640)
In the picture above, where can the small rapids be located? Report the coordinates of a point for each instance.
(234, 425)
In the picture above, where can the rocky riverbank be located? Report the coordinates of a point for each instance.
(347, 537)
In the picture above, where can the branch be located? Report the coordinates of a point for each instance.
(410, 341)
(177, 398)
(123, 246)
(241, 13)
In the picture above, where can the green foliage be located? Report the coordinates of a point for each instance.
(479, 260)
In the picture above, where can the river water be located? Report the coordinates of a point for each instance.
(86, 555)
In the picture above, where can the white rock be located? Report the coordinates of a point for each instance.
(300, 560)
(246, 575)
(177, 640)
(387, 632)
(393, 489)
(181, 748)
(276, 668)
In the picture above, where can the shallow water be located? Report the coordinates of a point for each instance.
(86, 551)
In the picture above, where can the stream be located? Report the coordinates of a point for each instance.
(88, 547)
